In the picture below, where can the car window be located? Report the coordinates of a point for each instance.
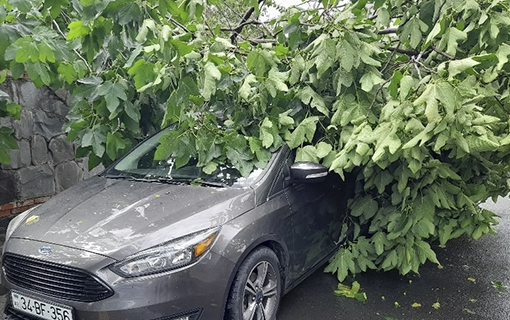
(140, 163)
(279, 182)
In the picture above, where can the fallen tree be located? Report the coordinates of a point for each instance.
(410, 97)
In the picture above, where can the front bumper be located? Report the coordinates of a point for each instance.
(199, 289)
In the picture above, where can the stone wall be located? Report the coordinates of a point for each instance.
(45, 162)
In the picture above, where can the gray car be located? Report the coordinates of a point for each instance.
(147, 240)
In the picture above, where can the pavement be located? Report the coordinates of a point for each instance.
(473, 284)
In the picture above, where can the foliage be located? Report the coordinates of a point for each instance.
(7, 109)
(351, 292)
(411, 98)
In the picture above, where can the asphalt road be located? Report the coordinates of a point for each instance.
(462, 290)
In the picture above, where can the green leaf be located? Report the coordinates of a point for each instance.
(406, 84)
(309, 96)
(412, 30)
(426, 250)
(266, 133)
(423, 228)
(456, 67)
(245, 91)
(96, 139)
(369, 80)
(365, 206)
(67, 72)
(211, 76)
(114, 144)
(285, 120)
(240, 159)
(45, 53)
(276, 82)
(436, 31)
(39, 71)
(502, 54)
(304, 132)
(325, 55)
(323, 149)
(394, 83)
(346, 55)
(453, 36)
(380, 242)
(307, 153)
(77, 30)
(258, 63)
(113, 93)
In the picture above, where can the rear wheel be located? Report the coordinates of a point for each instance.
(256, 290)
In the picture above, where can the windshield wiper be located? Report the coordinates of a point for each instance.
(177, 181)
(211, 184)
(150, 180)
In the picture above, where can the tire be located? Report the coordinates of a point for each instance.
(257, 287)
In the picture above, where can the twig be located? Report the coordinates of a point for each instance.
(388, 31)
(262, 40)
(376, 94)
(74, 50)
(404, 51)
(391, 58)
(444, 54)
(209, 28)
(242, 25)
(177, 23)
(416, 61)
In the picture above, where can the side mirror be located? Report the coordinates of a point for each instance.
(308, 172)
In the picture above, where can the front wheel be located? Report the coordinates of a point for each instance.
(256, 290)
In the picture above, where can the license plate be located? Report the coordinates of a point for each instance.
(41, 309)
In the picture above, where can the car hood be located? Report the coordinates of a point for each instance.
(117, 218)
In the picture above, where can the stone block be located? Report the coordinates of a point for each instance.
(36, 181)
(25, 153)
(40, 154)
(67, 174)
(24, 127)
(51, 103)
(61, 150)
(47, 126)
(8, 186)
(27, 93)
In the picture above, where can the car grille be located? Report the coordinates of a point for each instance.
(53, 279)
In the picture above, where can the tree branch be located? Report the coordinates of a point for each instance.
(239, 27)
(444, 54)
(237, 30)
(177, 23)
(388, 31)
(404, 51)
(391, 58)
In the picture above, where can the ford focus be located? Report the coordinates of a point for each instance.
(147, 240)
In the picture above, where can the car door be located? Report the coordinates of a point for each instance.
(317, 213)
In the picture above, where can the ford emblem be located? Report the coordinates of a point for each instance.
(45, 250)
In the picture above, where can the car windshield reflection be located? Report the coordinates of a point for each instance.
(140, 165)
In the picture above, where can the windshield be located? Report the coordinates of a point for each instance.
(140, 164)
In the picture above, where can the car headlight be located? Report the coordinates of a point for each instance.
(171, 255)
(16, 221)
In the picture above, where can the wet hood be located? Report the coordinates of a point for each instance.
(117, 218)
